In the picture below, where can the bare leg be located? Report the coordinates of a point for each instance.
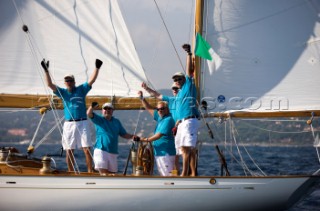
(87, 153)
(70, 159)
(185, 160)
(176, 163)
(193, 162)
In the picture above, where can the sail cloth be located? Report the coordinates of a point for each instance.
(71, 34)
(270, 52)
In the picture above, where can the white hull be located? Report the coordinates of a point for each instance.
(143, 193)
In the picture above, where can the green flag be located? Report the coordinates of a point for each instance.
(202, 48)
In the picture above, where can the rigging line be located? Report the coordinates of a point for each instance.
(204, 121)
(272, 120)
(140, 111)
(274, 131)
(234, 134)
(253, 160)
(48, 133)
(316, 142)
(36, 132)
(80, 38)
(22, 23)
(33, 52)
(175, 49)
(190, 22)
(156, 51)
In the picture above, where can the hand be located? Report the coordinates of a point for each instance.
(98, 63)
(136, 138)
(174, 131)
(94, 104)
(144, 85)
(44, 65)
(187, 48)
(140, 94)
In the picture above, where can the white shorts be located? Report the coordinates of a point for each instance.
(76, 135)
(165, 164)
(187, 134)
(105, 160)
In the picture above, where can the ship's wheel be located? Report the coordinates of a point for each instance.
(146, 158)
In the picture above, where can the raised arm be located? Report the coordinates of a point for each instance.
(45, 66)
(95, 73)
(189, 66)
(90, 109)
(145, 104)
(152, 92)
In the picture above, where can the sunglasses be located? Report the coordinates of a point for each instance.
(177, 79)
(107, 108)
(161, 109)
(69, 81)
(175, 88)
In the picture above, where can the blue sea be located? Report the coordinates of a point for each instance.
(271, 160)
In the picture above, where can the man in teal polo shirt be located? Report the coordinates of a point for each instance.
(108, 129)
(187, 115)
(163, 140)
(75, 128)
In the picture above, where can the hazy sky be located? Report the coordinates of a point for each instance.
(151, 39)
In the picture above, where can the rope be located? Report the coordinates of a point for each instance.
(274, 131)
(175, 49)
(316, 142)
(34, 49)
(36, 132)
(50, 131)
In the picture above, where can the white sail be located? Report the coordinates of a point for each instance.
(270, 55)
(247, 35)
(71, 34)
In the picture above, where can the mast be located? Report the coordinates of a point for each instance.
(198, 29)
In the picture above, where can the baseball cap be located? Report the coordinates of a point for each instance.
(69, 76)
(178, 74)
(109, 105)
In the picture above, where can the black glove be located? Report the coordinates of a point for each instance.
(98, 63)
(187, 48)
(136, 138)
(44, 65)
(94, 104)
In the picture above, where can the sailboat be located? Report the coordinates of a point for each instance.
(277, 80)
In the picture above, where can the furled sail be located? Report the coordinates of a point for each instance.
(270, 56)
(71, 34)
